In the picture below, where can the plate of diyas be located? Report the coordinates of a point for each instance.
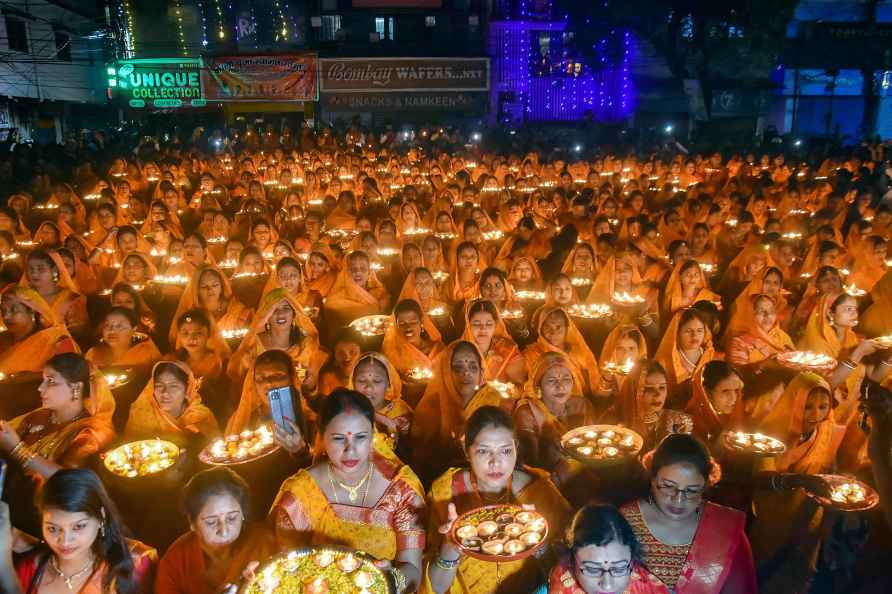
(420, 374)
(757, 444)
(375, 325)
(625, 299)
(601, 444)
(240, 448)
(590, 311)
(530, 295)
(846, 494)
(323, 570)
(581, 281)
(806, 361)
(500, 533)
(884, 342)
(141, 458)
(512, 314)
(619, 367)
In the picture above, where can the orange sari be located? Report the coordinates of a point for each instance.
(50, 338)
(627, 412)
(668, 355)
(674, 299)
(143, 354)
(584, 365)
(348, 301)
(404, 355)
(148, 420)
(235, 316)
(748, 343)
(502, 351)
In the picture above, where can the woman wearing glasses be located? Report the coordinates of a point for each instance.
(604, 557)
(710, 559)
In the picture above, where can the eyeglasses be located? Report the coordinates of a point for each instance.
(616, 571)
(673, 492)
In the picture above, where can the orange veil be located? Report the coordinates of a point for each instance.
(148, 420)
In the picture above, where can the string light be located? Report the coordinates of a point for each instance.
(178, 12)
(221, 31)
(282, 31)
(129, 38)
(204, 24)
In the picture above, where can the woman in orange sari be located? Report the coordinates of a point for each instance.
(581, 266)
(209, 289)
(121, 346)
(490, 444)
(412, 341)
(687, 285)
(623, 348)
(137, 269)
(716, 404)
(463, 281)
(357, 292)
(73, 424)
(377, 379)
(354, 496)
(280, 324)
(200, 345)
(420, 286)
(289, 276)
(870, 265)
(641, 405)
(552, 405)
(170, 406)
(322, 269)
(32, 335)
(754, 334)
(221, 542)
(685, 347)
(524, 274)
(502, 359)
(451, 396)
(103, 561)
(558, 334)
(787, 533)
(45, 272)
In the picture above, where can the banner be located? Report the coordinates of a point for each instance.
(161, 82)
(434, 101)
(281, 77)
(398, 75)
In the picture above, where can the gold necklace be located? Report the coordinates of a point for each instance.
(69, 579)
(352, 490)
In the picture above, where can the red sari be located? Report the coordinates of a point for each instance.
(718, 560)
(561, 580)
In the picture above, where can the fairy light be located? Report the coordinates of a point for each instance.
(178, 12)
(221, 31)
(204, 24)
(282, 31)
(129, 38)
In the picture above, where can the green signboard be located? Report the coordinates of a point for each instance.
(160, 83)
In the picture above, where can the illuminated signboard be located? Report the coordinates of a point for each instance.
(160, 83)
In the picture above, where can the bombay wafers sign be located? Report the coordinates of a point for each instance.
(402, 75)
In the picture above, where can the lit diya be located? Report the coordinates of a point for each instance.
(601, 444)
(854, 291)
(248, 275)
(753, 443)
(806, 361)
(375, 325)
(707, 268)
(439, 276)
(324, 570)
(619, 368)
(415, 232)
(505, 389)
(846, 494)
(234, 333)
(171, 279)
(581, 281)
(883, 341)
(493, 235)
(386, 252)
(530, 295)
(500, 533)
(626, 298)
(246, 446)
(436, 312)
(512, 314)
(141, 458)
(420, 374)
(116, 379)
(590, 311)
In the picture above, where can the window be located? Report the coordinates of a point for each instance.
(331, 24)
(430, 21)
(390, 28)
(63, 46)
(17, 35)
(379, 27)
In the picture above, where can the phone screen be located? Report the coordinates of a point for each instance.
(281, 406)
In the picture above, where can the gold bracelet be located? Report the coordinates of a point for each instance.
(22, 454)
(13, 453)
(400, 582)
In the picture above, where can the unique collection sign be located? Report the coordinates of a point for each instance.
(280, 77)
(160, 83)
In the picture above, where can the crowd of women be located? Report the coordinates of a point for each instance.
(170, 294)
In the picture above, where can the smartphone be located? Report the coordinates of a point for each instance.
(2, 476)
(281, 406)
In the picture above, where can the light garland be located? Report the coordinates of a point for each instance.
(181, 36)
(204, 24)
(126, 16)
(221, 31)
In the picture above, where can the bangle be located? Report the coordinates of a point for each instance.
(447, 564)
(886, 363)
(22, 454)
(400, 581)
(848, 363)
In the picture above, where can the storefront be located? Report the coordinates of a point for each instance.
(420, 89)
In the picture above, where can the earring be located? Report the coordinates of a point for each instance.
(267, 327)
(55, 277)
(102, 529)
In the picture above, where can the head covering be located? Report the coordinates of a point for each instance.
(148, 419)
(706, 418)
(32, 352)
(673, 297)
(151, 270)
(604, 286)
(609, 349)
(536, 282)
(820, 335)
(190, 299)
(585, 366)
(670, 357)
(65, 281)
(546, 362)
(350, 301)
(394, 382)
